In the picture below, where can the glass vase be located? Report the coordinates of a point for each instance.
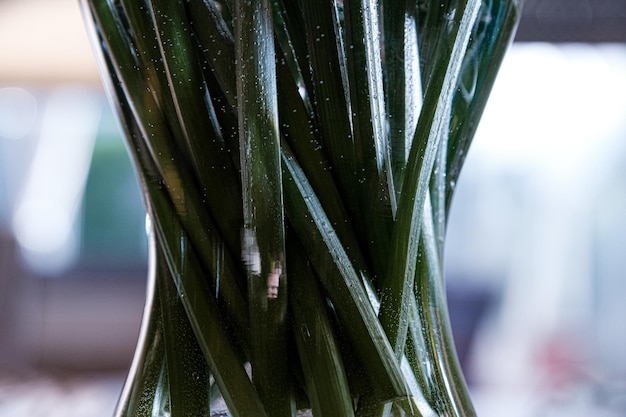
(297, 161)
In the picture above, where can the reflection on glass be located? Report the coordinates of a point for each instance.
(273, 280)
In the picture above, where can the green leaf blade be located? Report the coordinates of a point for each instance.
(325, 376)
(342, 284)
(368, 118)
(262, 198)
(437, 104)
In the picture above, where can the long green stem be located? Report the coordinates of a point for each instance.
(342, 283)
(201, 134)
(451, 396)
(325, 376)
(374, 178)
(437, 104)
(403, 91)
(187, 396)
(486, 50)
(262, 198)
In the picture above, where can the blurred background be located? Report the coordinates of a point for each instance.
(536, 246)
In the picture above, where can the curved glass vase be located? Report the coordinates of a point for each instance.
(298, 160)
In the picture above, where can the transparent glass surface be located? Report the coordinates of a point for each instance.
(297, 162)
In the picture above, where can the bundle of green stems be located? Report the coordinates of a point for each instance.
(298, 160)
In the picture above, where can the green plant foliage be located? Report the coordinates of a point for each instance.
(298, 160)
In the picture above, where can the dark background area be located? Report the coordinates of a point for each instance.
(573, 21)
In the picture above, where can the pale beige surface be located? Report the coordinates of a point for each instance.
(53, 396)
(44, 42)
